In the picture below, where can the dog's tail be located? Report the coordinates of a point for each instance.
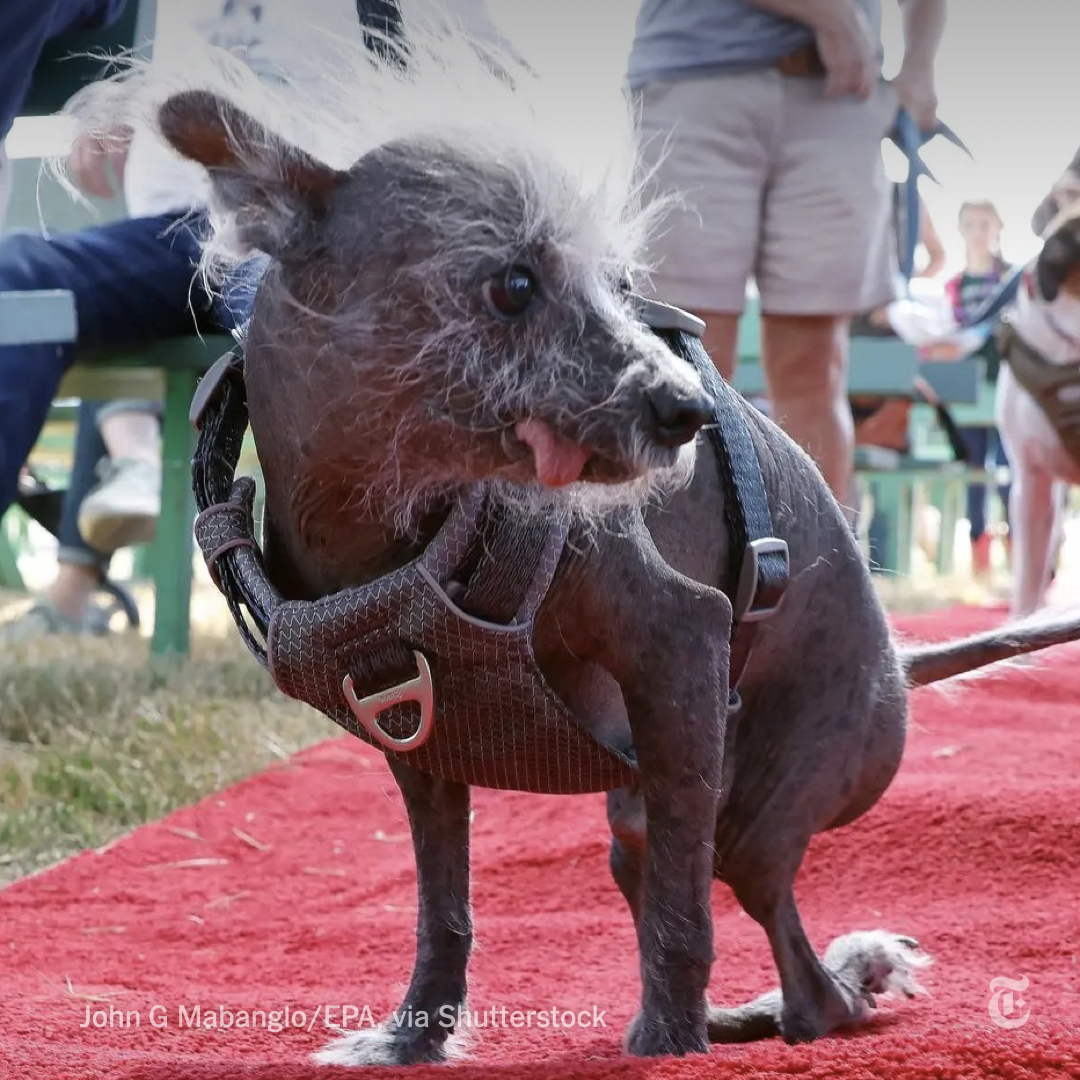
(925, 664)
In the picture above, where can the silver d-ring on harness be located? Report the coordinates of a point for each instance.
(367, 710)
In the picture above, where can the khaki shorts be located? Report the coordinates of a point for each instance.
(778, 184)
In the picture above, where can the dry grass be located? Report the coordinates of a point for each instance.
(95, 740)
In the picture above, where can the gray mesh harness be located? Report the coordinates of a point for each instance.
(1054, 387)
(434, 662)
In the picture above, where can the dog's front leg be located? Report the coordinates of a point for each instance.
(418, 1032)
(678, 736)
(670, 657)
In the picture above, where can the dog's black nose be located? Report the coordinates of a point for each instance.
(675, 418)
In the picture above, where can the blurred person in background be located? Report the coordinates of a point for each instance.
(984, 269)
(134, 280)
(767, 117)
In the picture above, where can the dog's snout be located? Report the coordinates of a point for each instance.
(675, 418)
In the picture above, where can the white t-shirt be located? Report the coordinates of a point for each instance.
(157, 180)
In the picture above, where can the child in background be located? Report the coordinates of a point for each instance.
(984, 268)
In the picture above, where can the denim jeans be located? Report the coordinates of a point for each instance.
(134, 282)
(25, 28)
(984, 449)
(89, 450)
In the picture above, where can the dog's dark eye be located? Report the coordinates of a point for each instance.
(626, 283)
(511, 292)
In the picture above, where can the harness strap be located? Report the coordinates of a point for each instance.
(1054, 387)
(500, 588)
(500, 572)
(225, 527)
(758, 560)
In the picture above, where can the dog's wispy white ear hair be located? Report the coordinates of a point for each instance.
(264, 184)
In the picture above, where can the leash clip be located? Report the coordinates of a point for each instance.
(367, 710)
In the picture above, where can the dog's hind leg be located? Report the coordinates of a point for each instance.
(418, 1032)
(816, 996)
(762, 845)
(790, 782)
(1033, 514)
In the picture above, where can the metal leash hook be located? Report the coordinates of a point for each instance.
(367, 710)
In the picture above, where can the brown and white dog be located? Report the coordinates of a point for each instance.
(1041, 344)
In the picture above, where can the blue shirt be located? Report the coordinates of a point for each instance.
(25, 27)
(688, 38)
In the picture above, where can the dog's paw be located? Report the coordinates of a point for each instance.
(380, 1046)
(655, 1037)
(877, 962)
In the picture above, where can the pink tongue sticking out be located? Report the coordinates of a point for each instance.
(559, 461)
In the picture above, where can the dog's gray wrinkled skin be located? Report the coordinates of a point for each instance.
(380, 381)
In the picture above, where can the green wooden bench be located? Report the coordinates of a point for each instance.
(877, 366)
(38, 317)
(167, 370)
(887, 367)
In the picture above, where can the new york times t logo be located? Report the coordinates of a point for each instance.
(1007, 1008)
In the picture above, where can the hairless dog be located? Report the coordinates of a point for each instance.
(446, 306)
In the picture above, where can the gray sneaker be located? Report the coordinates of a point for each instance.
(124, 506)
(44, 620)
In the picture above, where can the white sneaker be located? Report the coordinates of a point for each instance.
(123, 508)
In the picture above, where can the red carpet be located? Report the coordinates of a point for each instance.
(295, 890)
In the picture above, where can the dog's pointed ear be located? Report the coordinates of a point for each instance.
(266, 184)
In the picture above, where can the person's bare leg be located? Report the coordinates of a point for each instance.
(72, 588)
(721, 336)
(131, 436)
(805, 361)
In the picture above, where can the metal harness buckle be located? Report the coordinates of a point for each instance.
(367, 710)
(749, 605)
(657, 315)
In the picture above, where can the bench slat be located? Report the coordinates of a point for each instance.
(41, 316)
(110, 383)
(140, 373)
(877, 366)
(883, 369)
